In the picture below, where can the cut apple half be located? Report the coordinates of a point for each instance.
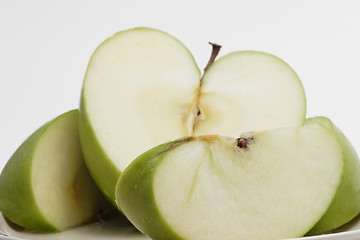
(143, 88)
(45, 186)
(264, 185)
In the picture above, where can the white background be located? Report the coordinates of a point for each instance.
(45, 47)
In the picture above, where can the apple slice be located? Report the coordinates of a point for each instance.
(265, 185)
(143, 88)
(45, 186)
(346, 204)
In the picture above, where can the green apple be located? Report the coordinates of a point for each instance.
(267, 185)
(45, 186)
(346, 204)
(143, 88)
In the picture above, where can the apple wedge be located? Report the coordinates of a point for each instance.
(264, 185)
(143, 88)
(346, 204)
(45, 186)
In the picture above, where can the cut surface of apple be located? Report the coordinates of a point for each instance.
(143, 88)
(265, 185)
(346, 204)
(45, 186)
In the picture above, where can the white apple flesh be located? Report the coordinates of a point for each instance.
(266, 185)
(45, 186)
(142, 88)
(249, 91)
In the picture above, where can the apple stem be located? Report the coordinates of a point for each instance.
(215, 51)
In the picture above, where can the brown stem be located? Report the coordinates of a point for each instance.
(215, 51)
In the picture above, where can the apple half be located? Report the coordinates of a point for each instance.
(346, 203)
(264, 185)
(143, 88)
(45, 186)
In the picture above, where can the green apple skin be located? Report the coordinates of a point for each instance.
(102, 169)
(18, 200)
(132, 199)
(346, 204)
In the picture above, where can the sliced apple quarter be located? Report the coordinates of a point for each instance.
(264, 185)
(45, 186)
(143, 88)
(346, 204)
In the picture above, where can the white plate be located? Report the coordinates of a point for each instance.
(121, 229)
